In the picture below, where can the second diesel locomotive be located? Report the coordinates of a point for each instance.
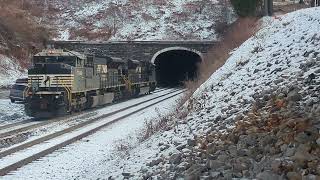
(62, 81)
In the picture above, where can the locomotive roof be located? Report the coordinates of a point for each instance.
(60, 52)
(134, 61)
(109, 59)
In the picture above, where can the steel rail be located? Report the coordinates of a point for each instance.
(58, 133)
(50, 121)
(37, 119)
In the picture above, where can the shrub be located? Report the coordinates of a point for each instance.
(246, 7)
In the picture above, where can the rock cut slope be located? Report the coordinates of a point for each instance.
(257, 116)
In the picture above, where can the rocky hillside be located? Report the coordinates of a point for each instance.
(256, 117)
(139, 20)
(21, 32)
(9, 71)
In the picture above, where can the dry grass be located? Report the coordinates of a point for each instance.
(287, 8)
(89, 33)
(232, 37)
(151, 127)
(123, 146)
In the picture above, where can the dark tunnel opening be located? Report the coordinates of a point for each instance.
(176, 66)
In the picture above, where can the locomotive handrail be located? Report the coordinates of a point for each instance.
(32, 81)
(68, 91)
(25, 93)
(127, 82)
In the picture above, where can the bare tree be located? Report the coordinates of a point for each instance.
(116, 16)
(268, 7)
(225, 17)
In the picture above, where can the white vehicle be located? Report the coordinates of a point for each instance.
(18, 90)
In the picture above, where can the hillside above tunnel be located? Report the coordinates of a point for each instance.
(138, 20)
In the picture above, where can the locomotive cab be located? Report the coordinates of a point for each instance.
(50, 81)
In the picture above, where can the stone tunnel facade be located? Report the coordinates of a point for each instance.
(138, 50)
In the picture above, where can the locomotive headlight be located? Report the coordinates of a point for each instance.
(57, 97)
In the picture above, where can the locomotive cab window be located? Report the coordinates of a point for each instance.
(89, 61)
(80, 62)
(52, 64)
(54, 60)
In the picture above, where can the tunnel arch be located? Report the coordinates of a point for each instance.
(174, 65)
(175, 48)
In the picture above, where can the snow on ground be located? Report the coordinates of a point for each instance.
(19, 115)
(9, 71)
(262, 63)
(64, 35)
(11, 112)
(98, 150)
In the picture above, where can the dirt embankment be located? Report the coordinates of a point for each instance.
(287, 8)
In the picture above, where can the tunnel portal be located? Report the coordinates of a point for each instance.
(173, 67)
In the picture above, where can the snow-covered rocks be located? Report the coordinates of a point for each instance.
(143, 20)
(9, 71)
(11, 112)
(253, 117)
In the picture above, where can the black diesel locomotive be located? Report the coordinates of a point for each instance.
(61, 81)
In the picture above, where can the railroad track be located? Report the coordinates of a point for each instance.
(21, 127)
(50, 143)
(22, 123)
(11, 138)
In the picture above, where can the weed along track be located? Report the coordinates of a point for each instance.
(16, 129)
(16, 157)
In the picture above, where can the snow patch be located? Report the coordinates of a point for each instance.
(9, 71)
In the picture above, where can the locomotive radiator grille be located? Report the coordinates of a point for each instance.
(57, 80)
